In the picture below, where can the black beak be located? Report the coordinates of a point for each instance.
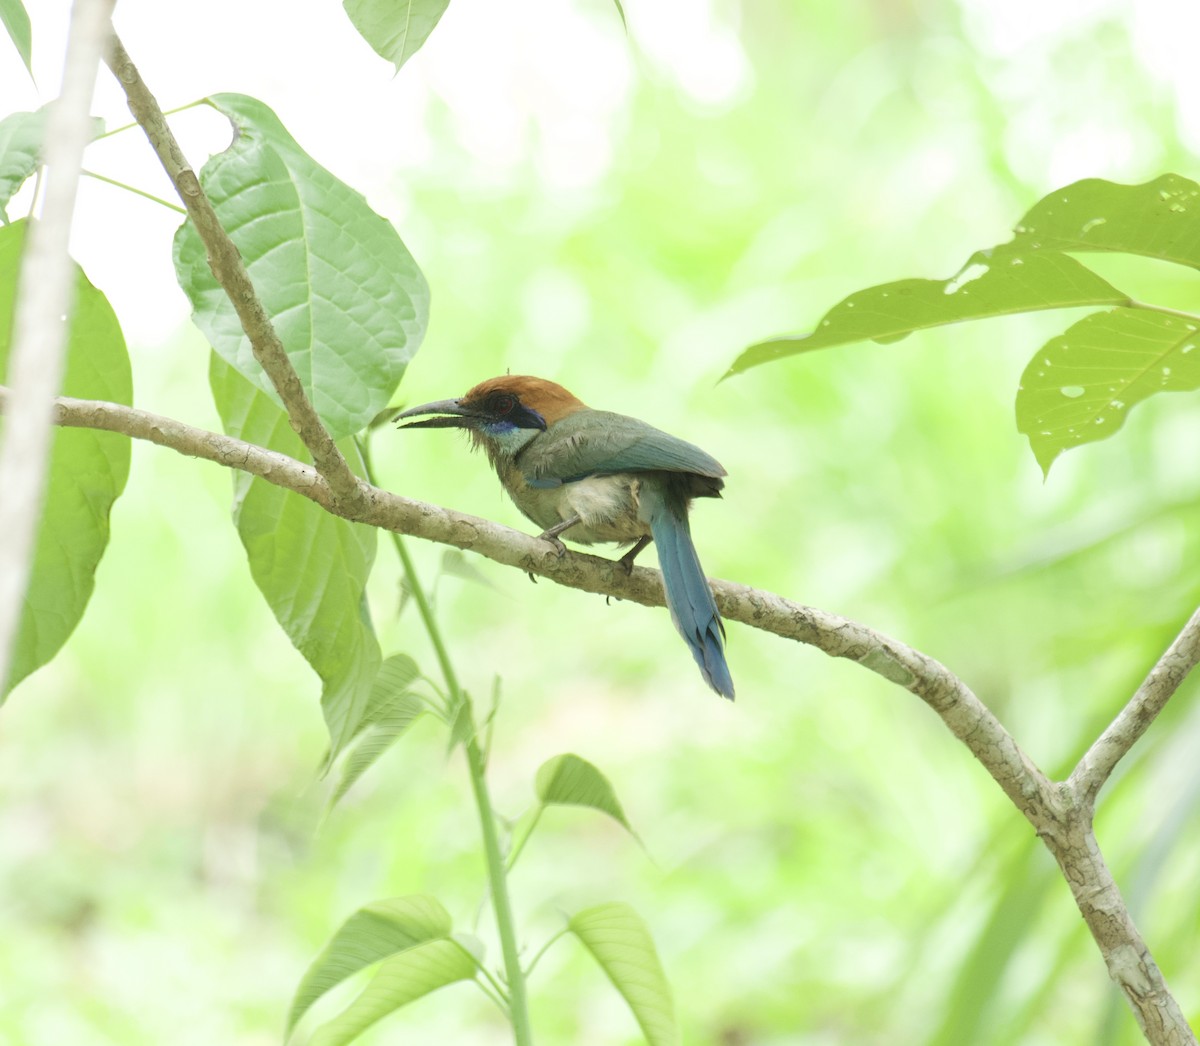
(454, 416)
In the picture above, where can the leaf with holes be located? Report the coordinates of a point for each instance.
(990, 284)
(620, 942)
(344, 294)
(311, 566)
(1158, 219)
(87, 472)
(1080, 386)
(375, 932)
(395, 29)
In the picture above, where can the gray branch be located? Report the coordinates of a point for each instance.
(1135, 718)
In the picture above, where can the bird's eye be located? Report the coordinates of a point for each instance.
(504, 403)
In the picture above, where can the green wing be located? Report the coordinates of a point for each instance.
(599, 443)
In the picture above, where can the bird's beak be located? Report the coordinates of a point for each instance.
(453, 416)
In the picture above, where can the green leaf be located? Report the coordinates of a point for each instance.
(21, 137)
(395, 29)
(20, 144)
(391, 710)
(311, 566)
(16, 21)
(88, 468)
(1158, 219)
(996, 283)
(374, 932)
(346, 297)
(1081, 385)
(620, 942)
(400, 980)
(568, 780)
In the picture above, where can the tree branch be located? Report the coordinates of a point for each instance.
(230, 271)
(966, 716)
(39, 335)
(1135, 718)
(1060, 813)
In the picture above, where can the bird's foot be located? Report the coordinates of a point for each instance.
(560, 549)
(626, 561)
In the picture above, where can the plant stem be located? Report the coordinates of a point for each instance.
(477, 766)
(139, 192)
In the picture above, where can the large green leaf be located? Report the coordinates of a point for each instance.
(998, 283)
(1158, 219)
(88, 468)
(346, 297)
(395, 29)
(1080, 386)
(16, 21)
(311, 566)
(375, 932)
(620, 942)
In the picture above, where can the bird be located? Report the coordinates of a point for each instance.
(595, 476)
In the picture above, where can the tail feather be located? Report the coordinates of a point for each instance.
(690, 600)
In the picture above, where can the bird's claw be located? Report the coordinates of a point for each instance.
(560, 549)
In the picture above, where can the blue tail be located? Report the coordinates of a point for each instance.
(689, 598)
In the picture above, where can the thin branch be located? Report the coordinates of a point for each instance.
(39, 334)
(966, 716)
(230, 271)
(1135, 718)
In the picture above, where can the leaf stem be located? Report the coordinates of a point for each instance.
(519, 845)
(135, 191)
(1189, 317)
(166, 112)
(544, 948)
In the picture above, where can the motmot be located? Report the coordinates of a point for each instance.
(594, 476)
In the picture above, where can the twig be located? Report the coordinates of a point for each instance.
(1134, 719)
(40, 335)
(230, 271)
(966, 716)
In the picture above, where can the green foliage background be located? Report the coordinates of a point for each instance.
(823, 863)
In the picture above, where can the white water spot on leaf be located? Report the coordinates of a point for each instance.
(1072, 391)
(972, 272)
(1089, 226)
(1016, 261)
(1117, 404)
(1188, 347)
